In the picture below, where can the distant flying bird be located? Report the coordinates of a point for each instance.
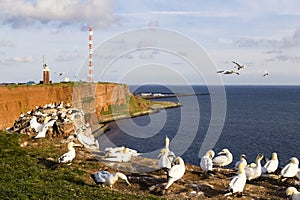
(238, 66)
(228, 72)
(265, 74)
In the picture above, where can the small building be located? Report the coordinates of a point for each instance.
(46, 74)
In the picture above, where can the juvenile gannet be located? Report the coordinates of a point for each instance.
(106, 178)
(291, 169)
(272, 165)
(254, 172)
(223, 160)
(70, 155)
(292, 193)
(176, 172)
(238, 182)
(242, 159)
(206, 161)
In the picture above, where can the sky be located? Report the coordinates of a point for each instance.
(263, 35)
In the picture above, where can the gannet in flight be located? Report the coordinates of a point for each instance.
(255, 171)
(292, 193)
(238, 66)
(106, 178)
(238, 182)
(271, 165)
(70, 155)
(227, 72)
(224, 158)
(176, 172)
(41, 128)
(206, 161)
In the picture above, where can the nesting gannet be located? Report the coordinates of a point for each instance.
(171, 154)
(238, 66)
(255, 171)
(206, 161)
(271, 165)
(70, 155)
(238, 182)
(223, 160)
(291, 169)
(164, 161)
(227, 72)
(176, 172)
(242, 159)
(106, 178)
(292, 193)
(41, 128)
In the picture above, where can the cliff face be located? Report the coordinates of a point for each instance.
(93, 98)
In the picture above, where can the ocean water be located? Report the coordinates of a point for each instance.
(259, 119)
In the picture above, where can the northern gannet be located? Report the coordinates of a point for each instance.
(227, 72)
(238, 182)
(242, 159)
(271, 165)
(292, 193)
(164, 161)
(171, 154)
(70, 155)
(223, 160)
(176, 172)
(106, 178)
(255, 171)
(291, 169)
(238, 66)
(41, 128)
(206, 161)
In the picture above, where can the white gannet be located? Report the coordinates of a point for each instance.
(238, 66)
(70, 155)
(253, 172)
(206, 161)
(171, 154)
(41, 128)
(164, 161)
(106, 178)
(271, 165)
(119, 156)
(242, 159)
(223, 160)
(238, 182)
(292, 193)
(291, 169)
(227, 72)
(176, 172)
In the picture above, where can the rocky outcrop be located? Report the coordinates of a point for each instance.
(92, 98)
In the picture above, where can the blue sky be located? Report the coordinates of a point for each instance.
(264, 35)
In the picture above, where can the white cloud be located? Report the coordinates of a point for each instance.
(284, 58)
(16, 59)
(20, 13)
(7, 43)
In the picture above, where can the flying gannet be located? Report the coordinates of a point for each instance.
(271, 165)
(253, 172)
(106, 178)
(292, 193)
(70, 155)
(41, 128)
(238, 182)
(228, 72)
(176, 172)
(291, 169)
(224, 158)
(206, 161)
(238, 66)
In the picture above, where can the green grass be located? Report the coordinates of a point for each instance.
(27, 173)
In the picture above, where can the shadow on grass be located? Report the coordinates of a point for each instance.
(50, 164)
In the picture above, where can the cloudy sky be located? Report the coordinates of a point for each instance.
(264, 35)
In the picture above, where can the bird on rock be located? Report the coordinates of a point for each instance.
(242, 159)
(106, 178)
(253, 172)
(206, 161)
(176, 172)
(237, 184)
(292, 193)
(291, 169)
(224, 158)
(271, 165)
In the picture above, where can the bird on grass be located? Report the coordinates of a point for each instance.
(176, 172)
(237, 184)
(292, 193)
(106, 178)
(223, 159)
(70, 155)
(206, 163)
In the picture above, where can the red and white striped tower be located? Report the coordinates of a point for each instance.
(91, 67)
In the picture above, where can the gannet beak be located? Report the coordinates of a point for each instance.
(77, 145)
(222, 152)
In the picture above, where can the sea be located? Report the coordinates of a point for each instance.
(246, 120)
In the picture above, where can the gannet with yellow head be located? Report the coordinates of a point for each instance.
(70, 155)
(106, 178)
